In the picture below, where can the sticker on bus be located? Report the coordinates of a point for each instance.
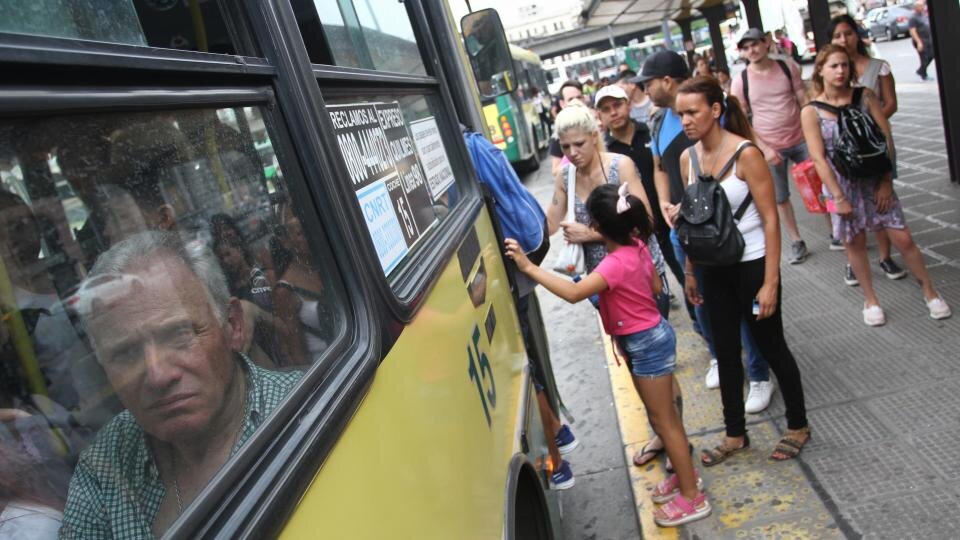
(426, 135)
(378, 150)
(383, 225)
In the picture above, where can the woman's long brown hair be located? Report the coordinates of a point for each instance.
(709, 87)
(822, 56)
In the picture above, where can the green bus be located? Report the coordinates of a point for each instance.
(509, 100)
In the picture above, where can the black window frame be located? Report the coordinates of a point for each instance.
(404, 291)
(311, 417)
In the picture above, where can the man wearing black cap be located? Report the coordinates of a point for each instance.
(772, 93)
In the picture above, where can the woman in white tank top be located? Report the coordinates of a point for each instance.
(748, 290)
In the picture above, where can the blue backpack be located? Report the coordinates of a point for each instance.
(518, 211)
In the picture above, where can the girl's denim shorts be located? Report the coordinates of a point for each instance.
(651, 353)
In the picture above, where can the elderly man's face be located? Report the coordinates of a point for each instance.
(167, 356)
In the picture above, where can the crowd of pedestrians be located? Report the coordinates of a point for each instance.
(701, 154)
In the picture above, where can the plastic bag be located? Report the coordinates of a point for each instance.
(809, 185)
(571, 260)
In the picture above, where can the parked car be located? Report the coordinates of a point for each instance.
(889, 22)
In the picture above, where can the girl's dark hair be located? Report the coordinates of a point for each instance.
(621, 228)
(848, 20)
(828, 49)
(709, 87)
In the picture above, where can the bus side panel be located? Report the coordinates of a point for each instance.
(420, 459)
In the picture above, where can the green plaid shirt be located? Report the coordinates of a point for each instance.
(116, 489)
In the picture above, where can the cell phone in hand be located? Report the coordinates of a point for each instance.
(756, 307)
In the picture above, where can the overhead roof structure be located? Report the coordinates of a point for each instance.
(649, 12)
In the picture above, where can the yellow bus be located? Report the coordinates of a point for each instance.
(249, 284)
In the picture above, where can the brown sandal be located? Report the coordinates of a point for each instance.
(720, 453)
(790, 447)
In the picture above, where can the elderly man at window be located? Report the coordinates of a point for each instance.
(168, 335)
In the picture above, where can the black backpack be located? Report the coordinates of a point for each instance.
(706, 227)
(859, 146)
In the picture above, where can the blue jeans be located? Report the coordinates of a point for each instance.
(757, 368)
(653, 352)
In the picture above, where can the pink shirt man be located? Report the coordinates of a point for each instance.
(773, 104)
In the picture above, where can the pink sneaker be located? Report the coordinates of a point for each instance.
(680, 511)
(665, 491)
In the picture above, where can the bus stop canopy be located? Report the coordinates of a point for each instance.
(617, 12)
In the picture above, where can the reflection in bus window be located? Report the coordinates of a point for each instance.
(372, 35)
(144, 334)
(167, 24)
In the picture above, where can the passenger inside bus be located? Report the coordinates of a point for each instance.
(302, 300)
(169, 337)
(73, 191)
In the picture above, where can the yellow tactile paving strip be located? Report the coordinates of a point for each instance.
(752, 496)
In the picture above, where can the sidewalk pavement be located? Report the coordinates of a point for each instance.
(883, 403)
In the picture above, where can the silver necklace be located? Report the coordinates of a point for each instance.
(716, 156)
(173, 457)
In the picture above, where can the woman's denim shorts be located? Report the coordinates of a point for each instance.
(652, 353)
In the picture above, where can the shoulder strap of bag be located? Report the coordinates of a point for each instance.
(733, 159)
(786, 71)
(743, 206)
(695, 162)
(723, 172)
(857, 96)
(746, 91)
(825, 106)
(571, 192)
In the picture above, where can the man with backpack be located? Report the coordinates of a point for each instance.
(772, 93)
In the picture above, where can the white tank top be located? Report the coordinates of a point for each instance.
(750, 225)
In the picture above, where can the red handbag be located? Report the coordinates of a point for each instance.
(809, 185)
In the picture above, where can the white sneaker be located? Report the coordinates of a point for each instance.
(712, 380)
(759, 397)
(938, 308)
(873, 315)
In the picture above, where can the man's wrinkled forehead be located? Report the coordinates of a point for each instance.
(158, 278)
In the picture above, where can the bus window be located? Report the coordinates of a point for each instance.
(167, 24)
(159, 298)
(370, 35)
(399, 168)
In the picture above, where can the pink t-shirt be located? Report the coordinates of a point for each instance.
(773, 101)
(627, 305)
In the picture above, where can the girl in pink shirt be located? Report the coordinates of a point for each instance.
(626, 282)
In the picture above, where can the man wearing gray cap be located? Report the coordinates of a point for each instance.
(772, 93)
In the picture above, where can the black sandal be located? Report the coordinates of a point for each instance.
(646, 450)
(718, 454)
